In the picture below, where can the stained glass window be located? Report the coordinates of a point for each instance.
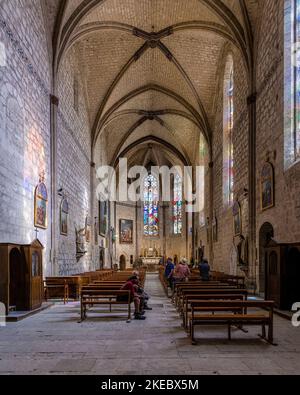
(151, 201)
(292, 81)
(228, 159)
(203, 158)
(177, 205)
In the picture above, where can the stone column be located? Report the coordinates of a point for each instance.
(164, 230)
(211, 211)
(92, 211)
(251, 101)
(137, 238)
(54, 102)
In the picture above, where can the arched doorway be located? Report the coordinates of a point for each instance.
(292, 277)
(122, 262)
(17, 281)
(266, 233)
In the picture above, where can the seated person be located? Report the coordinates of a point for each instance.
(141, 291)
(169, 270)
(131, 285)
(204, 269)
(180, 273)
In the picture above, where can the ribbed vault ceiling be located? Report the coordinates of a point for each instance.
(150, 66)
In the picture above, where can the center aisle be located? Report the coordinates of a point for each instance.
(53, 342)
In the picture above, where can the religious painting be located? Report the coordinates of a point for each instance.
(267, 186)
(88, 230)
(103, 218)
(215, 230)
(64, 214)
(237, 219)
(40, 206)
(126, 231)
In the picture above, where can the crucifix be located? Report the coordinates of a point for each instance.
(36, 233)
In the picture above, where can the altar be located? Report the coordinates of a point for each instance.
(151, 259)
(151, 264)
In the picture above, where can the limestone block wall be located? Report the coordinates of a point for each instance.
(73, 165)
(25, 86)
(224, 252)
(285, 215)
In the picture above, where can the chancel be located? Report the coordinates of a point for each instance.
(149, 187)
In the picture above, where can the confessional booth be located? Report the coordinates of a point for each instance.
(283, 273)
(21, 280)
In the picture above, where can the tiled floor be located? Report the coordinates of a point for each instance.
(53, 342)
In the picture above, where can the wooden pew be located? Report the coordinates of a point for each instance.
(56, 287)
(74, 284)
(199, 316)
(95, 296)
(181, 289)
(188, 299)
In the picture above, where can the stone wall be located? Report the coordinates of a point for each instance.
(224, 251)
(25, 86)
(73, 165)
(285, 215)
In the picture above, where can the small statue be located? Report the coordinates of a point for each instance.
(80, 244)
(242, 251)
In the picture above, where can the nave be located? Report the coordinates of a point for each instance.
(53, 342)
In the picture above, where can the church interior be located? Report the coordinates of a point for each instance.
(205, 88)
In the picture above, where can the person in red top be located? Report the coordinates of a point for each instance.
(131, 285)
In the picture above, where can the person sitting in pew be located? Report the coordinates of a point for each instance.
(181, 273)
(140, 290)
(204, 269)
(131, 285)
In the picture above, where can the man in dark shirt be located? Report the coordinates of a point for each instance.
(168, 270)
(204, 269)
(132, 285)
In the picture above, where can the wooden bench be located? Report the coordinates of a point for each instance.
(194, 289)
(56, 287)
(188, 299)
(199, 316)
(94, 296)
(200, 292)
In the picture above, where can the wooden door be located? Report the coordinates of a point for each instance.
(18, 287)
(36, 280)
(273, 280)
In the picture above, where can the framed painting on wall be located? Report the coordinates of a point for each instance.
(40, 206)
(126, 231)
(64, 214)
(237, 219)
(103, 215)
(267, 186)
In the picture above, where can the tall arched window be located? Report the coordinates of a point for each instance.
(228, 122)
(177, 205)
(292, 82)
(151, 201)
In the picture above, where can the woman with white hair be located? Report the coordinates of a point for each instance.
(182, 271)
